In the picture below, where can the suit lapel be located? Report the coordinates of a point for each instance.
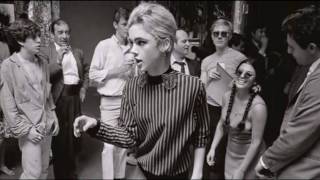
(23, 71)
(190, 67)
(79, 65)
(36, 94)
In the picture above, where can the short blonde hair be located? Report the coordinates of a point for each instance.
(223, 22)
(156, 19)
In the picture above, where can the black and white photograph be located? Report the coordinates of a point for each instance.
(159, 89)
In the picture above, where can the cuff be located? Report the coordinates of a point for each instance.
(94, 131)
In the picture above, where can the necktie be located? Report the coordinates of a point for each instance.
(182, 64)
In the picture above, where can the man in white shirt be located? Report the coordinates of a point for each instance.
(179, 61)
(110, 71)
(69, 78)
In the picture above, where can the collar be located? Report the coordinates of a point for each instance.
(57, 46)
(173, 60)
(168, 79)
(18, 59)
(255, 43)
(125, 48)
(313, 66)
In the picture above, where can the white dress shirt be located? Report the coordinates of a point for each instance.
(69, 68)
(108, 54)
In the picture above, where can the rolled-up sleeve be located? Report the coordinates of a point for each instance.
(97, 72)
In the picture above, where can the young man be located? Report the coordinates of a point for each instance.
(110, 72)
(179, 61)
(69, 78)
(296, 152)
(26, 100)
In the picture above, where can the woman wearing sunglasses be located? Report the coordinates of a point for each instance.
(243, 118)
(221, 32)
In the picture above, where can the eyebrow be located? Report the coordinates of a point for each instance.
(138, 39)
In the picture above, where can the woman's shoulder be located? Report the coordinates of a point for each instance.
(258, 104)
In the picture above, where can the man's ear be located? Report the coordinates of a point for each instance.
(312, 47)
(115, 25)
(165, 45)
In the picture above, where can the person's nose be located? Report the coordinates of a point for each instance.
(134, 50)
(188, 43)
(37, 39)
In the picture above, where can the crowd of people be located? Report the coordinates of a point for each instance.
(236, 114)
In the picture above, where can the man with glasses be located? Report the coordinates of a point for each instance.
(179, 61)
(229, 59)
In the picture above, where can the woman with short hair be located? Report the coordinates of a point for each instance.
(163, 112)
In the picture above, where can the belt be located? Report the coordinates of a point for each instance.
(71, 90)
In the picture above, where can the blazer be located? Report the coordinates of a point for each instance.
(56, 74)
(23, 105)
(296, 152)
(194, 67)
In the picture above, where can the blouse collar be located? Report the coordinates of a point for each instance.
(167, 79)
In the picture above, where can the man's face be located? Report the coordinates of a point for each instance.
(182, 45)
(61, 34)
(302, 56)
(258, 34)
(32, 45)
(221, 36)
(121, 28)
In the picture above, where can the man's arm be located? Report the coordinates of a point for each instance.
(300, 132)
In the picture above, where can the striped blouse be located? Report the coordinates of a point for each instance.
(163, 119)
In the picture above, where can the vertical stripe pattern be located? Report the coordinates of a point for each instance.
(163, 120)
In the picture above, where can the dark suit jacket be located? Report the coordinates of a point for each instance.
(296, 152)
(194, 67)
(56, 75)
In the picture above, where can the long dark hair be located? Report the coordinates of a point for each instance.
(253, 93)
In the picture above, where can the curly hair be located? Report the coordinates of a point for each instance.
(22, 29)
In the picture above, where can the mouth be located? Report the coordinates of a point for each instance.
(242, 81)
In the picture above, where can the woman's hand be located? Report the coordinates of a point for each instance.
(82, 124)
(210, 157)
(238, 174)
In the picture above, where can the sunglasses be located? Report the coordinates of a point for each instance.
(223, 34)
(247, 75)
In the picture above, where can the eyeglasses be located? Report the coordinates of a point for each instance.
(223, 34)
(247, 75)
